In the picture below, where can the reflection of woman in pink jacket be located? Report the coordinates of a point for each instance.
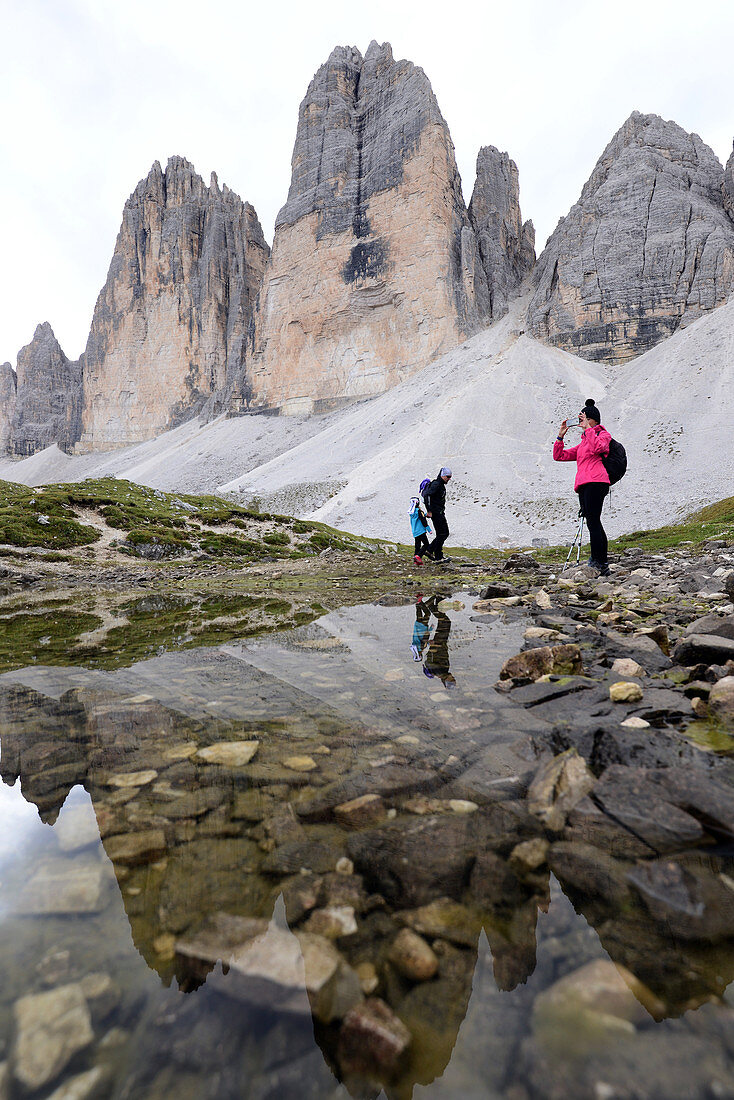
(592, 479)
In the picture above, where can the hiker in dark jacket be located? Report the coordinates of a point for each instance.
(435, 500)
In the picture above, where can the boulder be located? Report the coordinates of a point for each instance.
(721, 698)
(589, 870)
(689, 902)
(531, 664)
(719, 625)
(706, 649)
(626, 667)
(132, 848)
(628, 797)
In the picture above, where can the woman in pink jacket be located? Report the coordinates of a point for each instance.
(592, 479)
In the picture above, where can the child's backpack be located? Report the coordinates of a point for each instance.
(615, 463)
(424, 485)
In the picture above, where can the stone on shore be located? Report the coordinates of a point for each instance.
(627, 666)
(531, 664)
(624, 691)
(706, 649)
(721, 698)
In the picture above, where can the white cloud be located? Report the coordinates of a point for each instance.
(94, 91)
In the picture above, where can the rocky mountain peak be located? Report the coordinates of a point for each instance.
(506, 245)
(48, 396)
(376, 221)
(170, 324)
(647, 247)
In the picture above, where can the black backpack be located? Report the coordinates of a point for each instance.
(615, 463)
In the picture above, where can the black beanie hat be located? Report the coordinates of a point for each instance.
(591, 411)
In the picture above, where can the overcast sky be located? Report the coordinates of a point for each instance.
(93, 91)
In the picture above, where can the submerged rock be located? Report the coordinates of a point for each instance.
(372, 1038)
(557, 787)
(50, 1029)
(412, 957)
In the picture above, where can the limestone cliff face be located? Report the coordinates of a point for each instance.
(375, 268)
(727, 187)
(647, 247)
(170, 324)
(506, 246)
(7, 405)
(48, 396)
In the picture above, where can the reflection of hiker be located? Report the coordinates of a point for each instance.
(435, 498)
(436, 662)
(421, 627)
(419, 525)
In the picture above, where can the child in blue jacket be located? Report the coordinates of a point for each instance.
(419, 525)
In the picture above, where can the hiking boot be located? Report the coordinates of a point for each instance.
(603, 567)
(418, 559)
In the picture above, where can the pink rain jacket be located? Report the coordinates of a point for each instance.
(593, 447)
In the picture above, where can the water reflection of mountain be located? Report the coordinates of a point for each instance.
(244, 787)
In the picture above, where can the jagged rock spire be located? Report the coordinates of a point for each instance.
(647, 247)
(7, 405)
(375, 268)
(506, 246)
(48, 396)
(170, 324)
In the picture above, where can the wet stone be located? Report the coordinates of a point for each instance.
(363, 812)
(194, 803)
(300, 763)
(562, 660)
(291, 858)
(133, 848)
(132, 779)
(689, 903)
(624, 691)
(231, 754)
(557, 787)
(590, 871)
(630, 799)
(372, 1039)
(412, 957)
(50, 1029)
(333, 922)
(443, 919)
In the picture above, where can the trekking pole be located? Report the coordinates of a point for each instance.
(577, 540)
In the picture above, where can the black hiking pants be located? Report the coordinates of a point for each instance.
(591, 500)
(441, 527)
(421, 544)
